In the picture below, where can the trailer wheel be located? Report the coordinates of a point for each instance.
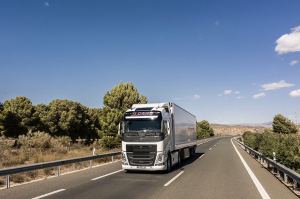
(192, 151)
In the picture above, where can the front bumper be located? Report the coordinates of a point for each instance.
(144, 168)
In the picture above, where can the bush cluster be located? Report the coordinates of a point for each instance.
(42, 140)
(109, 142)
(66, 118)
(286, 147)
(204, 130)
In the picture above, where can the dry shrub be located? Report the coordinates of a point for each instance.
(12, 158)
(32, 174)
(18, 178)
(35, 140)
(39, 147)
(2, 181)
(49, 171)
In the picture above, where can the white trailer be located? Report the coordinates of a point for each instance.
(157, 136)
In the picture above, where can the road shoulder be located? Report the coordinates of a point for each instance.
(272, 185)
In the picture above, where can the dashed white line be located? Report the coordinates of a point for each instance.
(174, 178)
(258, 185)
(48, 194)
(97, 178)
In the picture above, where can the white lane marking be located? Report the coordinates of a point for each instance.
(97, 178)
(209, 149)
(174, 178)
(48, 194)
(259, 187)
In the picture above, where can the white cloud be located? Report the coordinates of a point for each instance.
(193, 97)
(46, 3)
(289, 42)
(294, 62)
(196, 97)
(259, 95)
(227, 92)
(295, 93)
(240, 97)
(276, 85)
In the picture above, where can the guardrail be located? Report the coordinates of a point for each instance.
(58, 163)
(283, 173)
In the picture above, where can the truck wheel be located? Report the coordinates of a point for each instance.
(169, 164)
(179, 159)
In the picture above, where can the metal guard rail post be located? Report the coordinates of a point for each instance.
(57, 163)
(284, 173)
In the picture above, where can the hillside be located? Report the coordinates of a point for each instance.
(223, 129)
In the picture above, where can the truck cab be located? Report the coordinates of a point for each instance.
(148, 137)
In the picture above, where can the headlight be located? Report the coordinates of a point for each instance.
(124, 158)
(159, 158)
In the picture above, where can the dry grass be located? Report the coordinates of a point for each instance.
(12, 155)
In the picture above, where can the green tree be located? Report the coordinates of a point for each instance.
(116, 102)
(41, 111)
(283, 125)
(95, 115)
(17, 117)
(122, 97)
(67, 118)
(204, 129)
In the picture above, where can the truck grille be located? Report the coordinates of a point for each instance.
(141, 155)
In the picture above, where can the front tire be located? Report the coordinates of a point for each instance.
(179, 159)
(169, 164)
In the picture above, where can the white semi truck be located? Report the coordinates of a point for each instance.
(157, 136)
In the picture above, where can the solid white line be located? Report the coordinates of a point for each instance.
(107, 174)
(174, 178)
(48, 194)
(259, 187)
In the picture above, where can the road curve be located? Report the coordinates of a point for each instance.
(215, 172)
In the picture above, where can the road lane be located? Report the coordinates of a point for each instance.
(273, 187)
(41, 187)
(129, 185)
(256, 182)
(216, 171)
(219, 174)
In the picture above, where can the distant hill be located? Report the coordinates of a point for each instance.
(238, 129)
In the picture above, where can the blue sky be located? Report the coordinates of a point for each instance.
(225, 61)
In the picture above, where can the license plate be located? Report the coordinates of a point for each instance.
(141, 167)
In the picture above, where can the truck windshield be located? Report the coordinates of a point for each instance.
(142, 125)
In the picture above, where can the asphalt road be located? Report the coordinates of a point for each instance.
(216, 171)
